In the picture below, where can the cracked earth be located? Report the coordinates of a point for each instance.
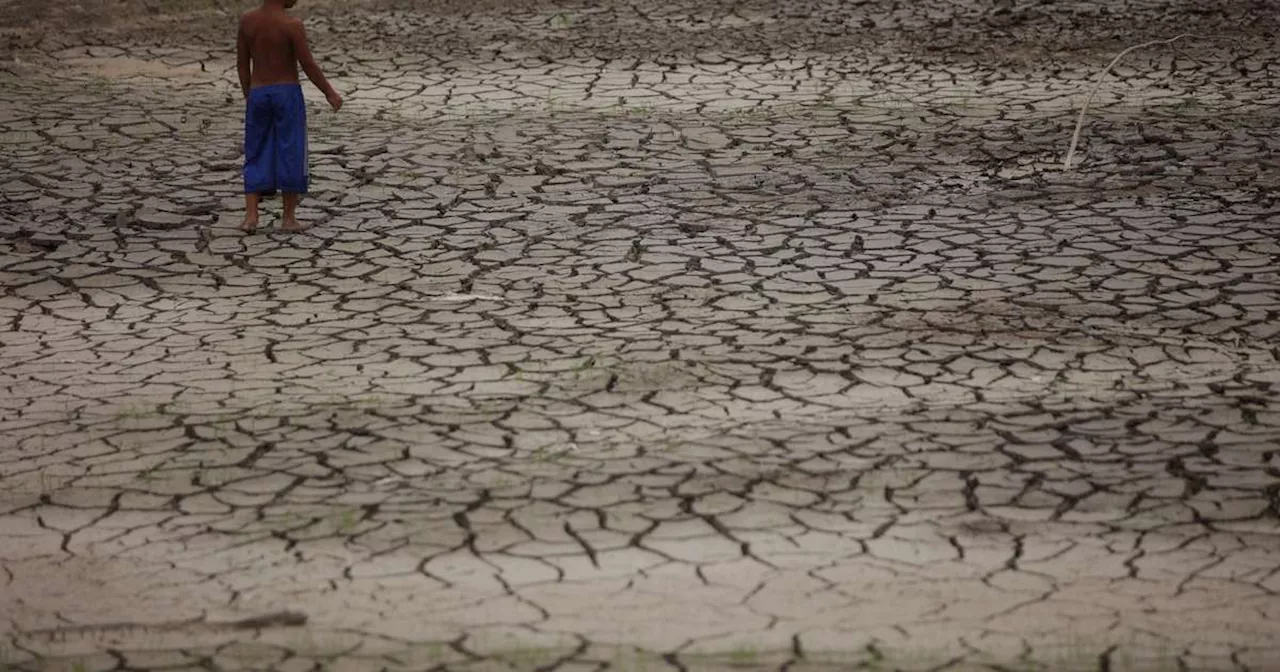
(646, 335)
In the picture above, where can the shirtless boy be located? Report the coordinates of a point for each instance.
(269, 49)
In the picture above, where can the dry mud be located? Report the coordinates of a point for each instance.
(647, 335)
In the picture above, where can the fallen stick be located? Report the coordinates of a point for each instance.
(1097, 84)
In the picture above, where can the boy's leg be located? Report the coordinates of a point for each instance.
(250, 212)
(259, 167)
(292, 170)
(291, 212)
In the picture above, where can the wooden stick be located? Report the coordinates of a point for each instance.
(1075, 137)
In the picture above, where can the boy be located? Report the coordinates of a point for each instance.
(269, 48)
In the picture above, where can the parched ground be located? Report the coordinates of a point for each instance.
(646, 335)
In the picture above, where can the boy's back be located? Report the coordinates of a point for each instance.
(269, 34)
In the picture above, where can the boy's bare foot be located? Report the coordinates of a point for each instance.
(250, 225)
(291, 225)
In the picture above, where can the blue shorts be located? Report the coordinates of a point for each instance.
(275, 140)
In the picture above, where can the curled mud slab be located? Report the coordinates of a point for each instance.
(647, 335)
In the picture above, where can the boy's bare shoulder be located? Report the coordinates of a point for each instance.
(293, 27)
(256, 15)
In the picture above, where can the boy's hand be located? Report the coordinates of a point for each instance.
(335, 101)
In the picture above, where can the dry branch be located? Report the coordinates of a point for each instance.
(1075, 137)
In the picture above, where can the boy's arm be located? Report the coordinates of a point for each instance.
(308, 62)
(244, 64)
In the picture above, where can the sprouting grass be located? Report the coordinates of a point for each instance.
(216, 478)
(589, 363)
(342, 521)
(638, 110)
(1188, 104)
(554, 105)
(46, 484)
(744, 656)
(347, 521)
(1075, 655)
(134, 410)
(50, 483)
(562, 20)
(129, 415)
(477, 109)
(371, 401)
(753, 112)
(596, 368)
(530, 658)
(545, 454)
(11, 661)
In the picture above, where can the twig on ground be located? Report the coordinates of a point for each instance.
(1075, 137)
